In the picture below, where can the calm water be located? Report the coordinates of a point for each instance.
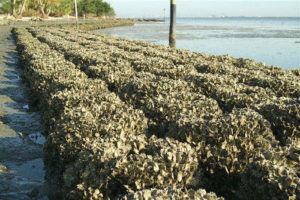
(274, 41)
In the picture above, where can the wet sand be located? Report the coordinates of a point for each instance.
(21, 143)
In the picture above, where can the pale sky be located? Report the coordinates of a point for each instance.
(205, 8)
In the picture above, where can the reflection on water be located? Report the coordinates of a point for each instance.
(21, 147)
(274, 41)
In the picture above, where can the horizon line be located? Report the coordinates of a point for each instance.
(144, 17)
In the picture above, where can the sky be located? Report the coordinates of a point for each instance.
(206, 8)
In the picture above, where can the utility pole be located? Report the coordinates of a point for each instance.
(76, 13)
(172, 34)
(164, 15)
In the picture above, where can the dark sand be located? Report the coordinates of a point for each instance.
(21, 164)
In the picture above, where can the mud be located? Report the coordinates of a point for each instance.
(21, 143)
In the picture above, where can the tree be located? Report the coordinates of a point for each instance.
(18, 7)
(44, 8)
(97, 7)
(104, 8)
(65, 7)
(85, 7)
(5, 6)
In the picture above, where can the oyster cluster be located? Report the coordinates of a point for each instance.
(130, 120)
(170, 194)
(89, 25)
(84, 25)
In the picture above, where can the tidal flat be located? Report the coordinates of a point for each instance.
(21, 162)
(272, 41)
(22, 174)
(127, 119)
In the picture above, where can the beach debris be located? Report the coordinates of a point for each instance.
(3, 169)
(37, 138)
(26, 107)
(21, 135)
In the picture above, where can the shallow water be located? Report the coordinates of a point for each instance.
(274, 41)
(21, 148)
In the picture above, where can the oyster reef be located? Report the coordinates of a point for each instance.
(131, 120)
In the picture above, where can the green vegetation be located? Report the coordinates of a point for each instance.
(45, 8)
(97, 7)
(5, 6)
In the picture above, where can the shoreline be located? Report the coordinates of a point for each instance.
(253, 40)
(36, 21)
(156, 92)
(21, 162)
(87, 70)
(22, 172)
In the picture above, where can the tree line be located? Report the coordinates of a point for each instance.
(46, 8)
